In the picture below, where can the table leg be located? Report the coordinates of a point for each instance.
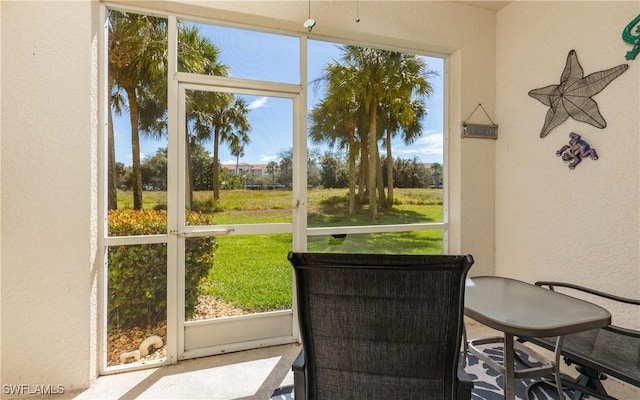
(556, 367)
(509, 368)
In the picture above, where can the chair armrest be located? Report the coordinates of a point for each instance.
(299, 377)
(624, 300)
(551, 285)
(298, 363)
(465, 384)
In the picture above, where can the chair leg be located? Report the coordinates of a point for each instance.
(299, 386)
(299, 378)
(592, 379)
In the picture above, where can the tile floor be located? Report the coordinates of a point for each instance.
(243, 375)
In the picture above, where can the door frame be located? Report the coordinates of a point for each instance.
(196, 338)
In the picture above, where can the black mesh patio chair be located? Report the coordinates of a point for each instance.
(610, 351)
(380, 326)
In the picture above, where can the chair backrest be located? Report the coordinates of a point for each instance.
(380, 326)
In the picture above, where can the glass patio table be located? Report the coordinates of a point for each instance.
(518, 308)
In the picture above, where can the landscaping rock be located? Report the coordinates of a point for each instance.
(124, 341)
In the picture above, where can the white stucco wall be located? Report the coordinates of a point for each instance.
(47, 110)
(49, 146)
(553, 223)
(0, 196)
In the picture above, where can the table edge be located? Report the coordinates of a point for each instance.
(521, 330)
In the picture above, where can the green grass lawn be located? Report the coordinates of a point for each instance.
(252, 271)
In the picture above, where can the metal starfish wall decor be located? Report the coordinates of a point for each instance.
(572, 97)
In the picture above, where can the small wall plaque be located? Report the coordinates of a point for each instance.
(483, 131)
(470, 130)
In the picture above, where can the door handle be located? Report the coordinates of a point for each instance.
(203, 232)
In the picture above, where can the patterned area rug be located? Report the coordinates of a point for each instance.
(283, 393)
(487, 384)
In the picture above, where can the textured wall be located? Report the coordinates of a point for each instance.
(553, 223)
(46, 187)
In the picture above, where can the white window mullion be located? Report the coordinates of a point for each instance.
(174, 296)
(445, 156)
(103, 111)
(300, 156)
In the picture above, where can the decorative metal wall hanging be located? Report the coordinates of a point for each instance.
(572, 97)
(634, 40)
(484, 131)
(576, 150)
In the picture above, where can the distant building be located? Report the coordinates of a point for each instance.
(255, 170)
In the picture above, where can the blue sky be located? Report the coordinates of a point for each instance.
(274, 58)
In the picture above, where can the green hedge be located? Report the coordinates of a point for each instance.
(137, 274)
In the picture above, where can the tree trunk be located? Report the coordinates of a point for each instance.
(188, 184)
(135, 148)
(389, 172)
(352, 173)
(380, 180)
(373, 145)
(112, 194)
(216, 166)
(364, 166)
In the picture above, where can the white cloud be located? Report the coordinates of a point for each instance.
(429, 144)
(258, 103)
(265, 159)
(432, 140)
(130, 156)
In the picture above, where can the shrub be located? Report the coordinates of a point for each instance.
(137, 275)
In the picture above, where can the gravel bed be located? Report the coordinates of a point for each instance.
(122, 341)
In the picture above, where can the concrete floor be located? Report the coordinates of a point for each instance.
(250, 374)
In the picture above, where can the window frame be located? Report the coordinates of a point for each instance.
(300, 231)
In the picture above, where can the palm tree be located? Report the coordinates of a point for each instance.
(405, 117)
(197, 131)
(137, 66)
(407, 86)
(219, 117)
(237, 150)
(117, 106)
(334, 119)
(196, 54)
(370, 68)
(137, 46)
(436, 174)
(382, 77)
(227, 117)
(215, 116)
(272, 167)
